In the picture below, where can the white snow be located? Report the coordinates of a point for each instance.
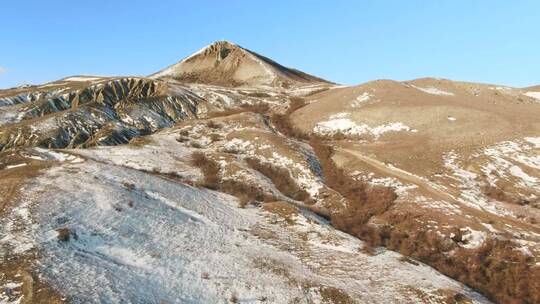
(469, 186)
(361, 99)
(451, 118)
(16, 166)
(434, 91)
(399, 187)
(527, 179)
(340, 124)
(535, 95)
(534, 140)
(473, 238)
(81, 78)
(9, 293)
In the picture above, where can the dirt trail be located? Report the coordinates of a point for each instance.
(403, 175)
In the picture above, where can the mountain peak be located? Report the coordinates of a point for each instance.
(226, 63)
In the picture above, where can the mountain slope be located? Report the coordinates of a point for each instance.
(229, 178)
(225, 63)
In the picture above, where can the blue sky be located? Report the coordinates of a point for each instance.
(348, 42)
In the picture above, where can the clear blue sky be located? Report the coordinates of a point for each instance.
(348, 42)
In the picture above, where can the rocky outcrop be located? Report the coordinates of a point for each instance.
(105, 113)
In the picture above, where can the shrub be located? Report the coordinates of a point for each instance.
(182, 139)
(63, 234)
(281, 179)
(283, 123)
(196, 144)
(215, 137)
(213, 125)
(210, 169)
(129, 186)
(363, 200)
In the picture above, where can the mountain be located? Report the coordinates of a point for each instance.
(227, 64)
(230, 178)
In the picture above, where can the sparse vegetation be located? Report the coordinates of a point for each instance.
(215, 137)
(281, 179)
(210, 169)
(63, 234)
(260, 108)
(213, 124)
(283, 123)
(196, 144)
(182, 139)
(129, 186)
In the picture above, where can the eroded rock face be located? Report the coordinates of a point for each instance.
(104, 113)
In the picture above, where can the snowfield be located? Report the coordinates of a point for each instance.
(141, 238)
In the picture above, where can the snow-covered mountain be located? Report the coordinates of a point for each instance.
(230, 178)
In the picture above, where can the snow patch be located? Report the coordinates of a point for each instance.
(434, 91)
(361, 99)
(340, 124)
(16, 166)
(535, 95)
(472, 238)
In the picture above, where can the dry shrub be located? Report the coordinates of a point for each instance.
(499, 194)
(182, 139)
(63, 234)
(334, 295)
(196, 144)
(457, 298)
(139, 141)
(215, 137)
(210, 169)
(496, 269)
(364, 200)
(283, 123)
(284, 210)
(245, 192)
(213, 125)
(128, 185)
(281, 179)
